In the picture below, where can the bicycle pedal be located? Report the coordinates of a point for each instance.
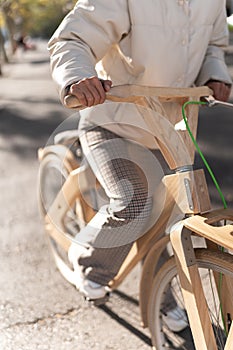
(99, 301)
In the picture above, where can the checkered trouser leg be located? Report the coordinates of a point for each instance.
(117, 165)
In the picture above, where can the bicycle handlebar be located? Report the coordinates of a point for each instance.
(133, 94)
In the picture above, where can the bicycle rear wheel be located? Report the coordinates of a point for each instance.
(54, 170)
(55, 166)
(167, 280)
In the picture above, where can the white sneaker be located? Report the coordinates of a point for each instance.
(90, 289)
(176, 319)
(75, 251)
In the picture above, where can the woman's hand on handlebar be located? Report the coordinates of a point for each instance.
(90, 91)
(221, 91)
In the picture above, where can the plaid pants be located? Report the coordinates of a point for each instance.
(126, 171)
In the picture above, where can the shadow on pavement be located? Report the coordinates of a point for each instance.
(26, 135)
(184, 337)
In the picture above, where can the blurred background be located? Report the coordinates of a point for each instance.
(22, 19)
(38, 308)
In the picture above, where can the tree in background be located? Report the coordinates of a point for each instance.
(37, 18)
(3, 53)
(46, 16)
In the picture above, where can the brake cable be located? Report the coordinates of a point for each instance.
(210, 102)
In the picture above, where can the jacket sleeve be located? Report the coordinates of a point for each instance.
(214, 66)
(84, 37)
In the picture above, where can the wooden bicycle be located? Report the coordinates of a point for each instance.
(201, 277)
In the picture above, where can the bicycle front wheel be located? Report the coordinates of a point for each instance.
(166, 281)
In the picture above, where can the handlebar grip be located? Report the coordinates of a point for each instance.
(71, 101)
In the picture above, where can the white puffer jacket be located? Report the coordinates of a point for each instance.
(175, 43)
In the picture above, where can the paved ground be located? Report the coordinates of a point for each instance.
(38, 308)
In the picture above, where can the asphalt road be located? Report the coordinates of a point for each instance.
(38, 308)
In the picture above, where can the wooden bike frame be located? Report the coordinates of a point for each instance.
(186, 193)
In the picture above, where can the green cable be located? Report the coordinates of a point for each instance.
(214, 180)
(199, 150)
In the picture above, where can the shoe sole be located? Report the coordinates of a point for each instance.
(99, 301)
